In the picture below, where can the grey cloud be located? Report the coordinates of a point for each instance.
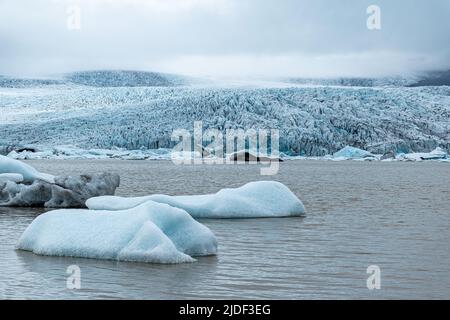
(225, 37)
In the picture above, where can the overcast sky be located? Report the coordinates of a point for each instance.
(305, 38)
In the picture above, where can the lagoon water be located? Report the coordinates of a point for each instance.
(392, 215)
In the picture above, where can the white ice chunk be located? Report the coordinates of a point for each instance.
(253, 200)
(14, 177)
(65, 192)
(72, 152)
(30, 174)
(352, 153)
(152, 232)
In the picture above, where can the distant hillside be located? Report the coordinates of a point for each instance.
(438, 78)
(122, 78)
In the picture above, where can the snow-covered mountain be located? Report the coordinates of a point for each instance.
(313, 120)
(12, 82)
(124, 78)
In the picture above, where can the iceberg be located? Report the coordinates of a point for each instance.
(14, 177)
(260, 199)
(251, 156)
(29, 174)
(152, 232)
(313, 121)
(348, 152)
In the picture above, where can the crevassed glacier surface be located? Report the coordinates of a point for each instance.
(254, 200)
(313, 120)
(152, 232)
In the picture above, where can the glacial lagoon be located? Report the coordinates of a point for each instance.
(394, 215)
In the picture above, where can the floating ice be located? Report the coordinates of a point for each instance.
(251, 156)
(152, 232)
(29, 174)
(14, 177)
(313, 121)
(253, 200)
(72, 152)
(436, 154)
(352, 153)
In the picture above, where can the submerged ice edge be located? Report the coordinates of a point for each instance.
(150, 233)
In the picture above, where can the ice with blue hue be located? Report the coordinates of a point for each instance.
(13, 177)
(349, 152)
(29, 174)
(254, 200)
(152, 232)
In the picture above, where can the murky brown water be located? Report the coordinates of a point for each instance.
(394, 215)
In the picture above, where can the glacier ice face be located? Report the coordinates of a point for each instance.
(167, 154)
(152, 232)
(260, 199)
(29, 174)
(65, 192)
(123, 78)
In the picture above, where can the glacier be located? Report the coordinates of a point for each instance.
(28, 173)
(260, 199)
(124, 78)
(151, 233)
(436, 154)
(313, 120)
